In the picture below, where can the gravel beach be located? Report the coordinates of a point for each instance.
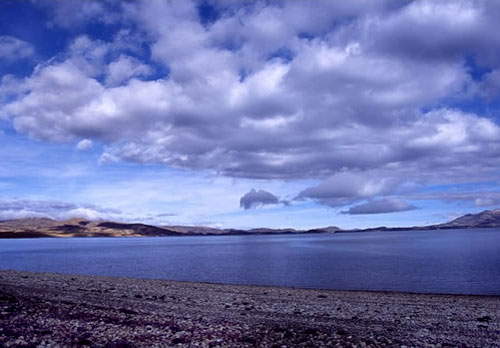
(55, 310)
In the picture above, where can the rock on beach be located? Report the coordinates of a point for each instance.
(56, 310)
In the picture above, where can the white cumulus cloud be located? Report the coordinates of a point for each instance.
(273, 90)
(84, 145)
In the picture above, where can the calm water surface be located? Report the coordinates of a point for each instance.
(453, 261)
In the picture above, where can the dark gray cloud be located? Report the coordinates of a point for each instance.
(20, 209)
(457, 27)
(255, 199)
(380, 206)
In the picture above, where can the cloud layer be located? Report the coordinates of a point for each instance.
(367, 97)
(21, 209)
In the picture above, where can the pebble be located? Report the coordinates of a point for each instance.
(154, 313)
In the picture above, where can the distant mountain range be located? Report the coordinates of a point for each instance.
(43, 227)
(484, 219)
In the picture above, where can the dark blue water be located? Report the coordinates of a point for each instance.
(454, 261)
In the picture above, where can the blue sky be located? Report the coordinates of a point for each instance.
(250, 113)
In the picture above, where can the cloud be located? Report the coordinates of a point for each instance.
(10, 88)
(125, 68)
(479, 198)
(363, 107)
(69, 14)
(20, 209)
(490, 84)
(12, 48)
(254, 199)
(165, 215)
(487, 202)
(380, 206)
(346, 187)
(84, 145)
(457, 27)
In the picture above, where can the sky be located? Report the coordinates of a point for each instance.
(250, 114)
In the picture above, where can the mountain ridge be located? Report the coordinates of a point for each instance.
(45, 227)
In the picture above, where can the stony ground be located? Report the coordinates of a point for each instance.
(53, 310)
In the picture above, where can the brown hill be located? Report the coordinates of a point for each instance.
(43, 227)
(487, 218)
(29, 228)
(484, 219)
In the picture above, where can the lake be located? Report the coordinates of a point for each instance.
(450, 261)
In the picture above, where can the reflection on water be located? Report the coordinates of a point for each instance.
(453, 261)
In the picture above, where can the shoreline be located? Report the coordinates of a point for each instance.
(40, 235)
(264, 286)
(19, 235)
(60, 310)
